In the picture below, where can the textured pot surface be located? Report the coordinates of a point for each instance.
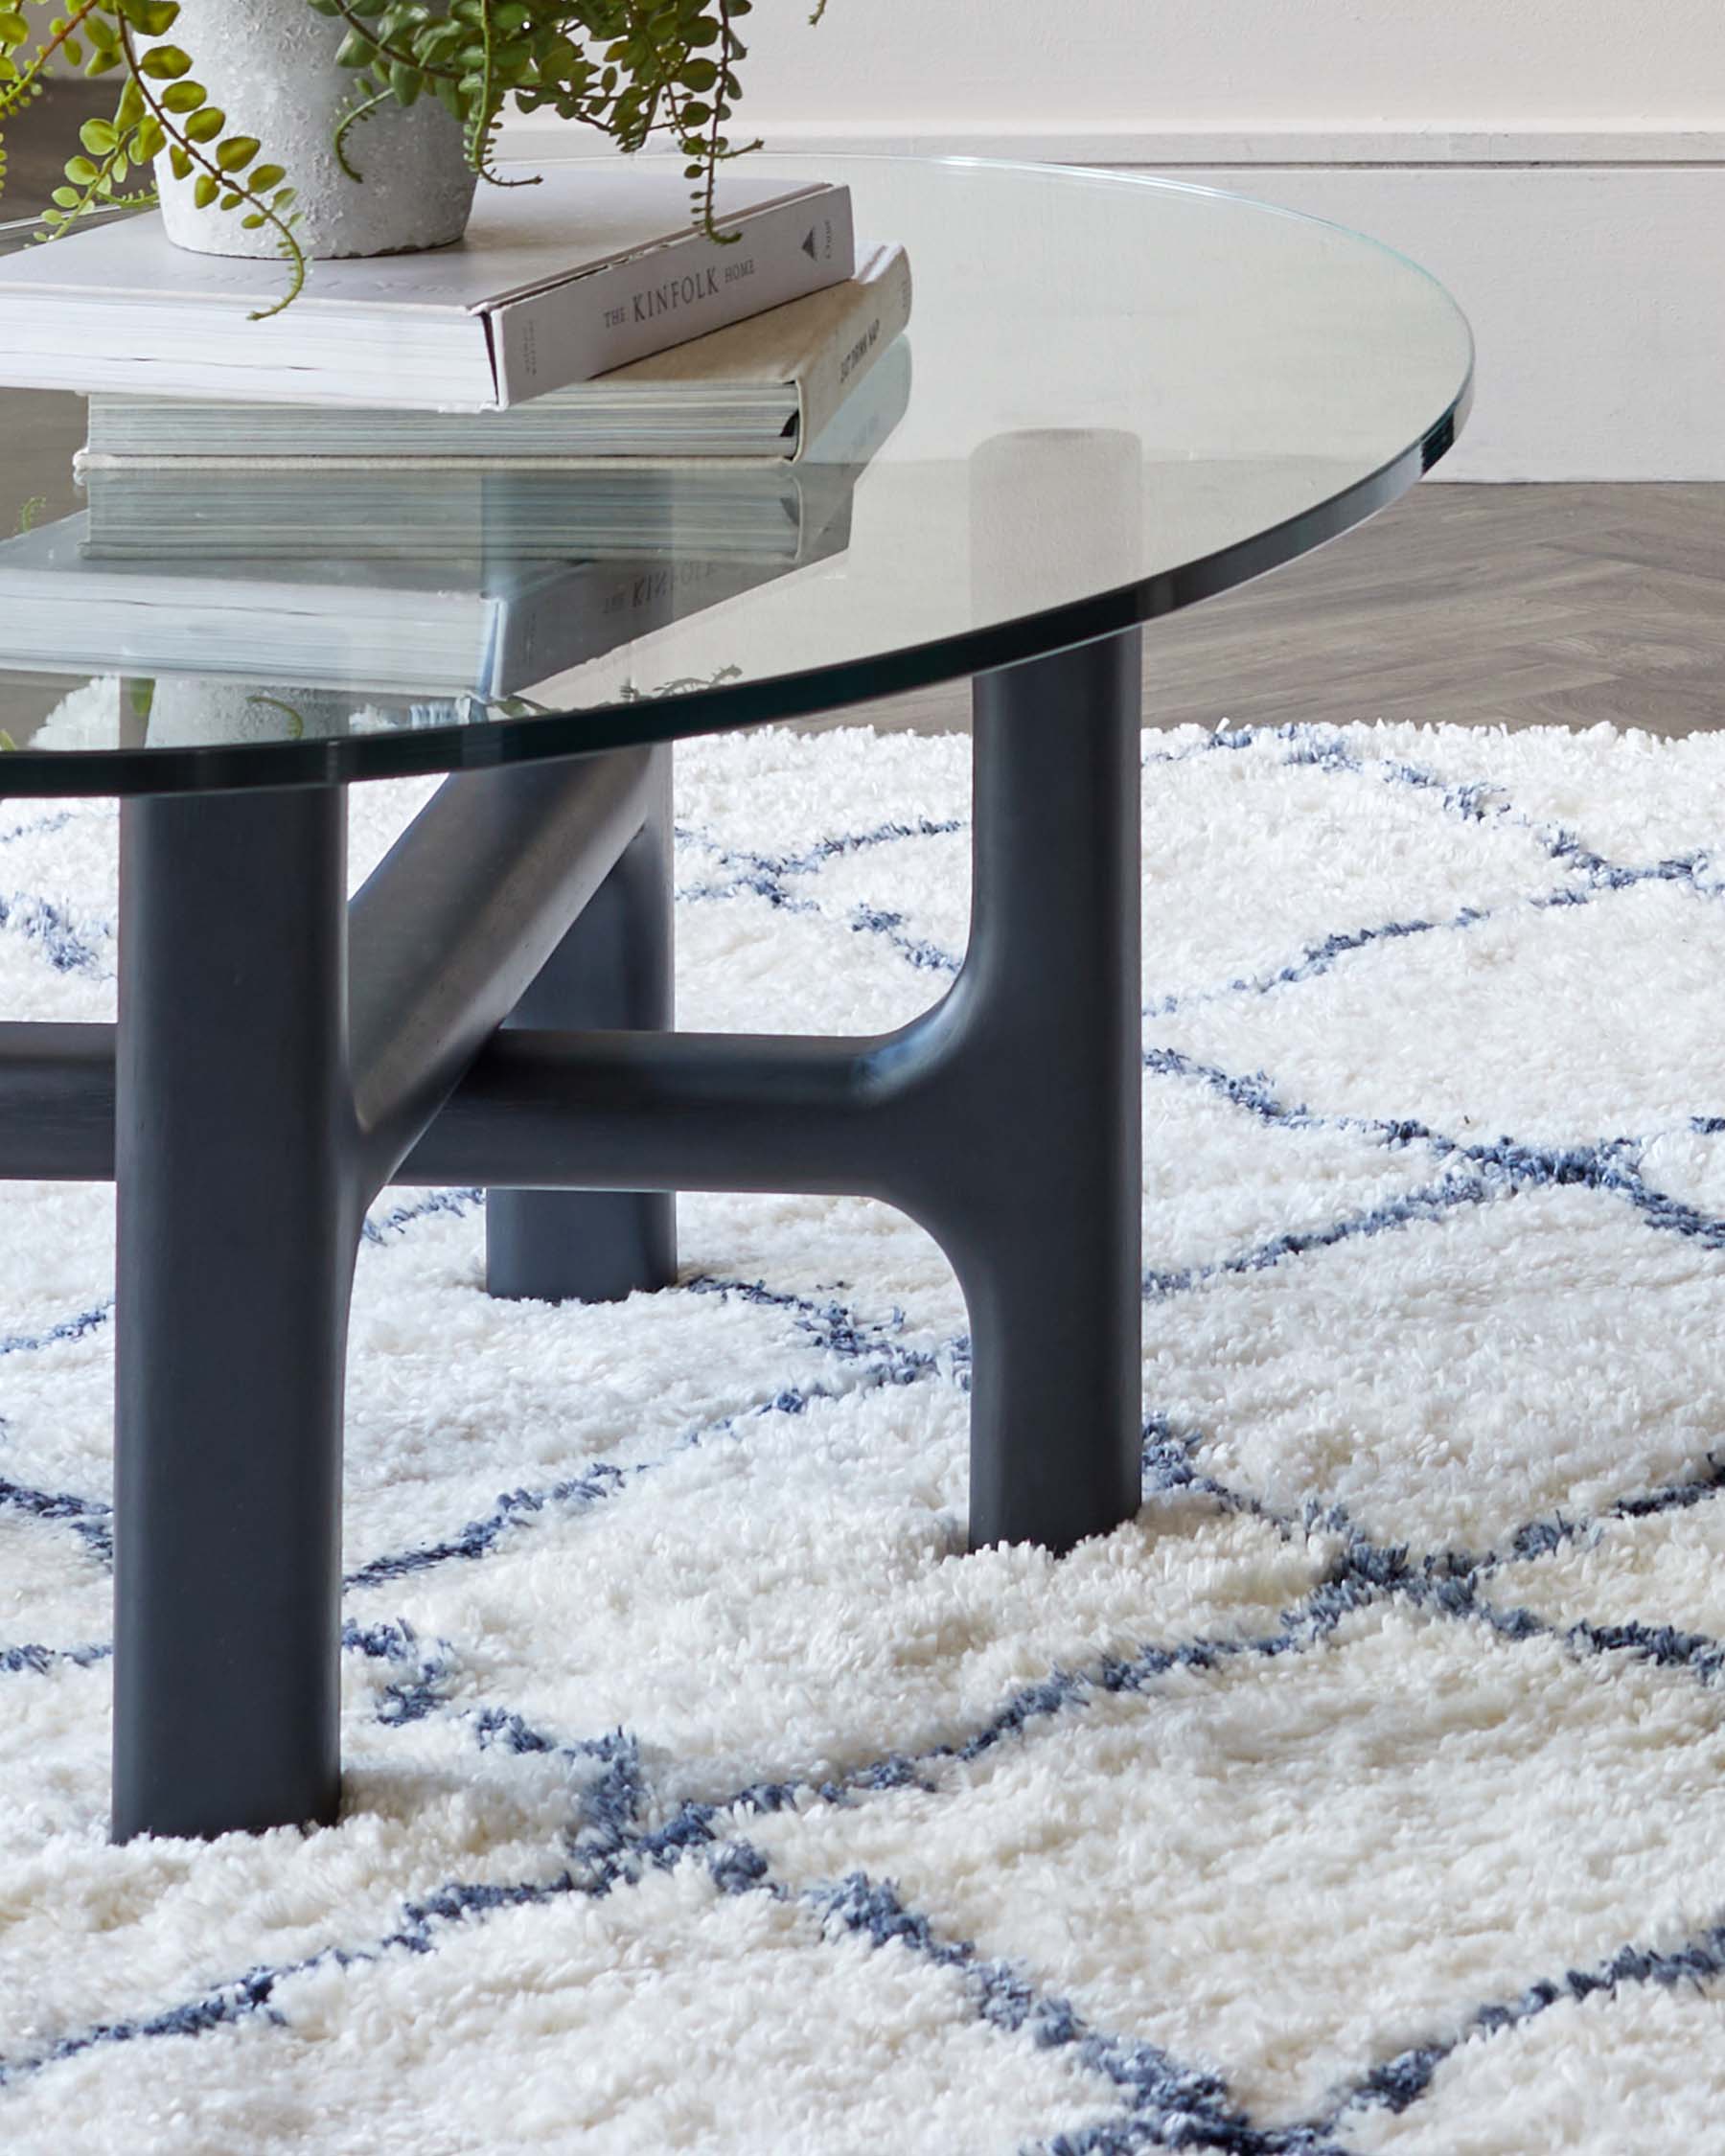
(270, 65)
(191, 712)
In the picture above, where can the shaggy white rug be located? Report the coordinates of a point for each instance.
(1365, 1793)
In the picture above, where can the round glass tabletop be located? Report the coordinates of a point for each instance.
(1118, 395)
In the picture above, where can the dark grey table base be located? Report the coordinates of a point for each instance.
(282, 1055)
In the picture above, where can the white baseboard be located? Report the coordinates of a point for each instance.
(1119, 143)
(1595, 283)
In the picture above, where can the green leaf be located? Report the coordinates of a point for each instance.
(164, 63)
(156, 18)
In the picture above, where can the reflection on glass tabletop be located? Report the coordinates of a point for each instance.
(1118, 395)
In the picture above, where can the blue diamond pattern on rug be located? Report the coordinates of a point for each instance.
(1358, 1799)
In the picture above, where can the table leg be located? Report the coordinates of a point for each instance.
(614, 969)
(239, 1213)
(1046, 1133)
(1010, 1125)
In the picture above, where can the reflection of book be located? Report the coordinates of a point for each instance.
(488, 628)
(764, 388)
(589, 267)
(420, 517)
(456, 513)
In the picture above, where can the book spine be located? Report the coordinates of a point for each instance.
(882, 312)
(838, 454)
(647, 304)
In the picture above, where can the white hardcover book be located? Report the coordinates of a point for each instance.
(465, 511)
(820, 348)
(761, 390)
(594, 266)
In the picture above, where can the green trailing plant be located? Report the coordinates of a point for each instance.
(160, 107)
(686, 685)
(634, 69)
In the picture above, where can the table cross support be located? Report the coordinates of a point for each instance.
(264, 1097)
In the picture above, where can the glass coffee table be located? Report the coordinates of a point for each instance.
(1118, 396)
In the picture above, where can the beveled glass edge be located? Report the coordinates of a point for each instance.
(333, 760)
(341, 759)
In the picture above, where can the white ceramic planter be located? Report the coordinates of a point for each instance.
(270, 65)
(187, 712)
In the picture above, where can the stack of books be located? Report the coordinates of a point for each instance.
(471, 468)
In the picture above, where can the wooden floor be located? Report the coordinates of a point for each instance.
(1481, 605)
(1485, 606)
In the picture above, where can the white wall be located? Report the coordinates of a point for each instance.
(1135, 72)
(1597, 295)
